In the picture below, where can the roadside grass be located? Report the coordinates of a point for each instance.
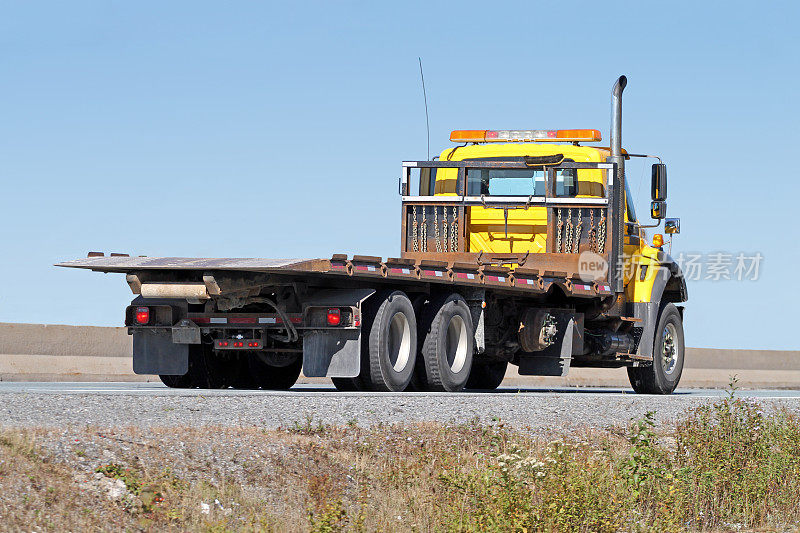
(37, 494)
(724, 466)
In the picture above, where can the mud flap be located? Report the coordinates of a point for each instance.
(155, 353)
(555, 359)
(332, 352)
(335, 354)
(647, 312)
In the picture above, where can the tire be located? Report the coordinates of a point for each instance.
(487, 376)
(239, 374)
(663, 375)
(175, 382)
(206, 369)
(345, 384)
(448, 344)
(275, 377)
(388, 343)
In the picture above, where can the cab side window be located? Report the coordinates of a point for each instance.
(427, 181)
(566, 182)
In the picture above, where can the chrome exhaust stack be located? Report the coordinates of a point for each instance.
(616, 116)
(617, 190)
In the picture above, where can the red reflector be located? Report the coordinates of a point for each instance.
(201, 320)
(142, 315)
(334, 316)
(222, 344)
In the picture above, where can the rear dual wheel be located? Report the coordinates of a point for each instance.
(388, 345)
(205, 371)
(176, 382)
(394, 358)
(446, 345)
(272, 371)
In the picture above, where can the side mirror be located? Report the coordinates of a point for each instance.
(658, 187)
(658, 210)
(672, 225)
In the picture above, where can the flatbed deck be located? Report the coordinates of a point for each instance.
(525, 279)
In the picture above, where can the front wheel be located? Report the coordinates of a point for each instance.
(663, 375)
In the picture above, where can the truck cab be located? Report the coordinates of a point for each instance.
(523, 230)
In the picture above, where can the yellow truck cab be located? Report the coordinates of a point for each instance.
(524, 230)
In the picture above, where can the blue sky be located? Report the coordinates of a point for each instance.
(277, 129)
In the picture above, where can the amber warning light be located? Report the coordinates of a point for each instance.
(487, 136)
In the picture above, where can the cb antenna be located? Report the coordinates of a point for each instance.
(425, 97)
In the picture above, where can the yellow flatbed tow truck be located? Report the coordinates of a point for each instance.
(517, 246)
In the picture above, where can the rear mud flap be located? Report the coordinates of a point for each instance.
(335, 354)
(555, 359)
(155, 353)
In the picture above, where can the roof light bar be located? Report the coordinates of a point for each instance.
(480, 136)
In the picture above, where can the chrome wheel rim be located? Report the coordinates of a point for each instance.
(399, 342)
(669, 349)
(456, 344)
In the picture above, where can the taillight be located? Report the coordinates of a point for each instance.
(334, 316)
(142, 315)
(223, 344)
(253, 344)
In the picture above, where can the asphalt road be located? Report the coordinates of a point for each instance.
(143, 405)
(328, 391)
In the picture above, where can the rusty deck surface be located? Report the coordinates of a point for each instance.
(122, 264)
(520, 279)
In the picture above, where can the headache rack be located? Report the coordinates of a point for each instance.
(435, 227)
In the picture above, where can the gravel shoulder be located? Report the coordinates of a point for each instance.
(533, 412)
